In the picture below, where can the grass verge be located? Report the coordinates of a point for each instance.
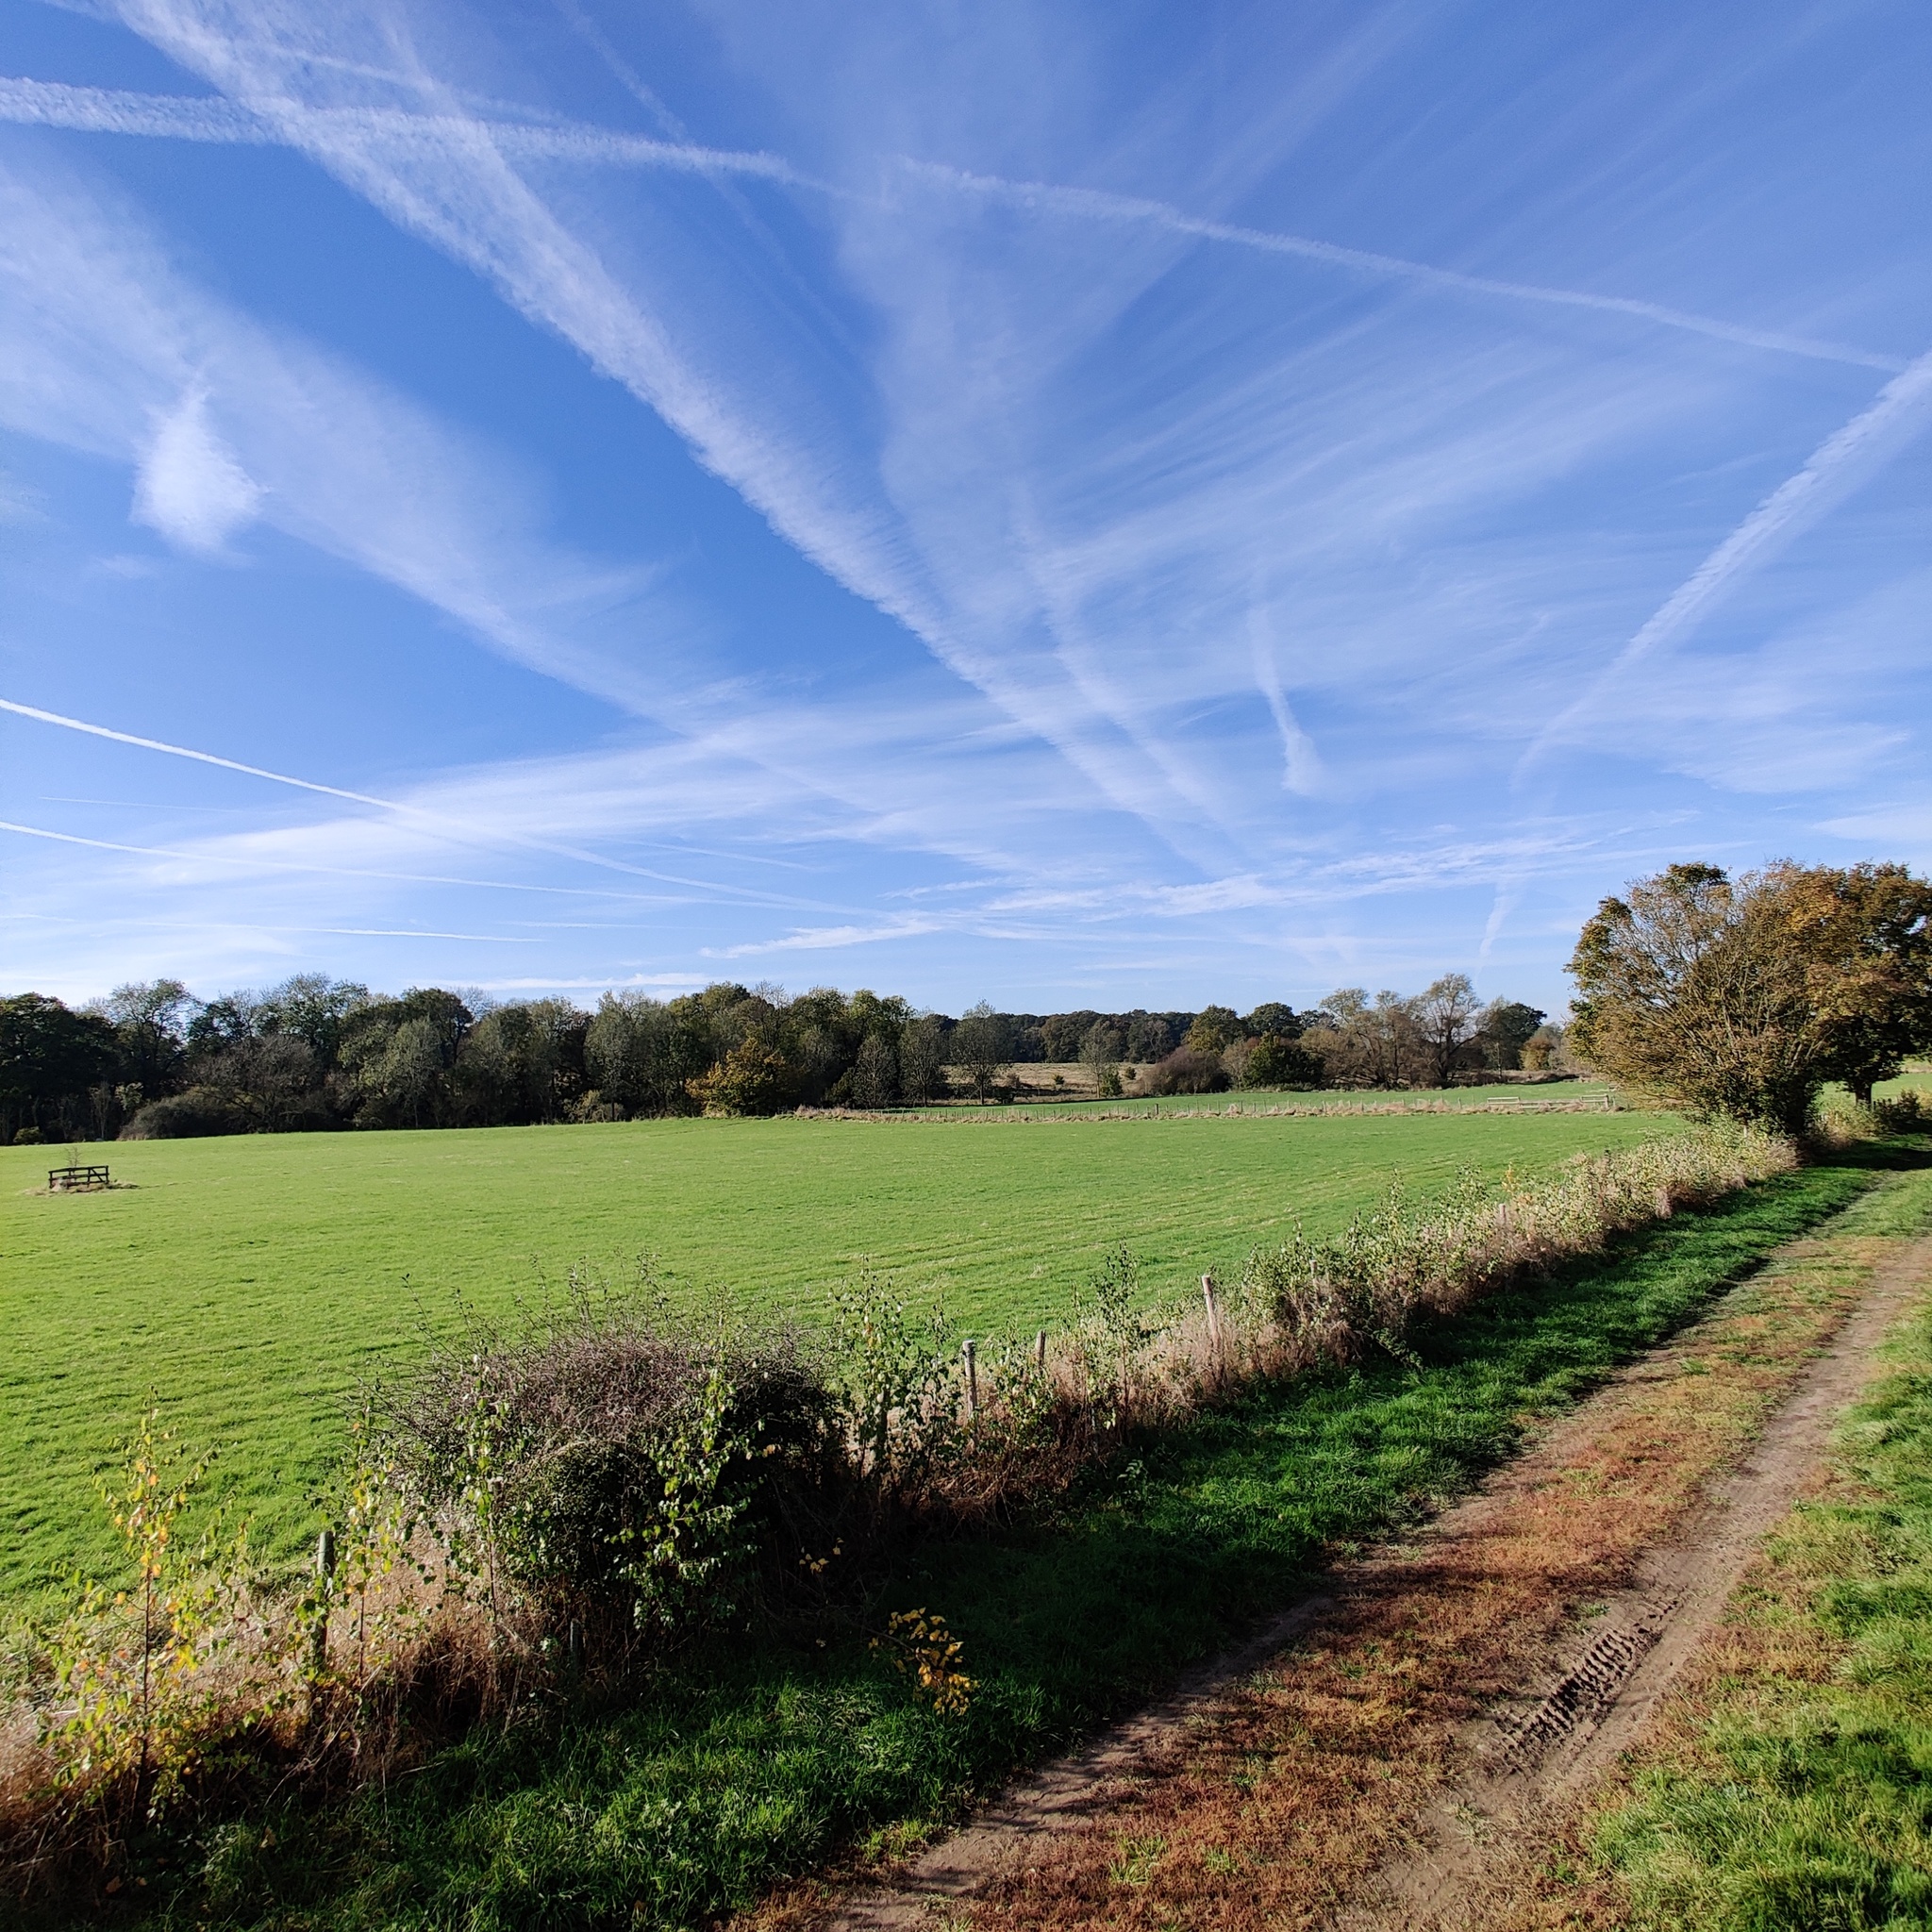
(748, 1763)
(1792, 1784)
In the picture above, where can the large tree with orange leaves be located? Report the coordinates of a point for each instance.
(1742, 998)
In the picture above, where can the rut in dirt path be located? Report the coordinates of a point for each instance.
(1529, 1766)
(1418, 1845)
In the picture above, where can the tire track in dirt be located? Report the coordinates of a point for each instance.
(1493, 1672)
(1528, 1770)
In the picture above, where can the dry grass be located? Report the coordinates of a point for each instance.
(1275, 1806)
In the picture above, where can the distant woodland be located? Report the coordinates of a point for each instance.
(152, 1061)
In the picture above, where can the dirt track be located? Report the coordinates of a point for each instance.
(1382, 1755)
(1528, 1766)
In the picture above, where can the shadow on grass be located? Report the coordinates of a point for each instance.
(752, 1760)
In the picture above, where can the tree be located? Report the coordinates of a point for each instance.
(1100, 1054)
(923, 1059)
(1271, 1017)
(1060, 1034)
(753, 1078)
(1364, 1042)
(269, 1084)
(522, 1064)
(982, 1043)
(875, 1072)
(1697, 991)
(47, 1055)
(1507, 1026)
(397, 1057)
(1273, 1060)
(151, 1019)
(1214, 1028)
(1445, 1014)
(1544, 1050)
(314, 1008)
(1865, 935)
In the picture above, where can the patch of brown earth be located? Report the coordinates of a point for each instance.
(1408, 1735)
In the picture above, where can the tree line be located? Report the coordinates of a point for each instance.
(152, 1061)
(1739, 998)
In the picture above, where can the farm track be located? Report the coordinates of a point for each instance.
(1392, 1751)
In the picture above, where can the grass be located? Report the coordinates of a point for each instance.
(1037, 1100)
(251, 1281)
(1794, 1787)
(752, 1761)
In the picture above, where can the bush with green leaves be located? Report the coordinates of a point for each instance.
(600, 1463)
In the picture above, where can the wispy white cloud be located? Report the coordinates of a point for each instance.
(211, 119)
(189, 487)
(1016, 581)
(105, 348)
(829, 938)
(1838, 465)
(1257, 556)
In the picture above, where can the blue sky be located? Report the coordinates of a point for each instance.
(1078, 505)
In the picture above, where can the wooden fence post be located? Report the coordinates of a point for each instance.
(1214, 1313)
(318, 1638)
(1039, 1352)
(970, 1349)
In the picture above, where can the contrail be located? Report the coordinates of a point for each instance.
(1836, 467)
(1096, 205)
(448, 829)
(213, 118)
(201, 757)
(208, 856)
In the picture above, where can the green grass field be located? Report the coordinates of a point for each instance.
(763, 1753)
(252, 1281)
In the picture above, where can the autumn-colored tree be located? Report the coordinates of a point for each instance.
(1745, 998)
(1865, 935)
(753, 1077)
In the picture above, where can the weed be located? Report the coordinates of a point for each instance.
(1134, 1860)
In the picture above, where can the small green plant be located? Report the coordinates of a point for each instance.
(924, 1650)
(1134, 1860)
(900, 1381)
(130, 1665)
(1110, 1336)
(376, 1517)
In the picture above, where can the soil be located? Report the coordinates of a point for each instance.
(1390, 1752)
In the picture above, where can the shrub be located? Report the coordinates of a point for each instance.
(1186, 1070)
(186, 1116)
(602, 1464)
(1273, 1060)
